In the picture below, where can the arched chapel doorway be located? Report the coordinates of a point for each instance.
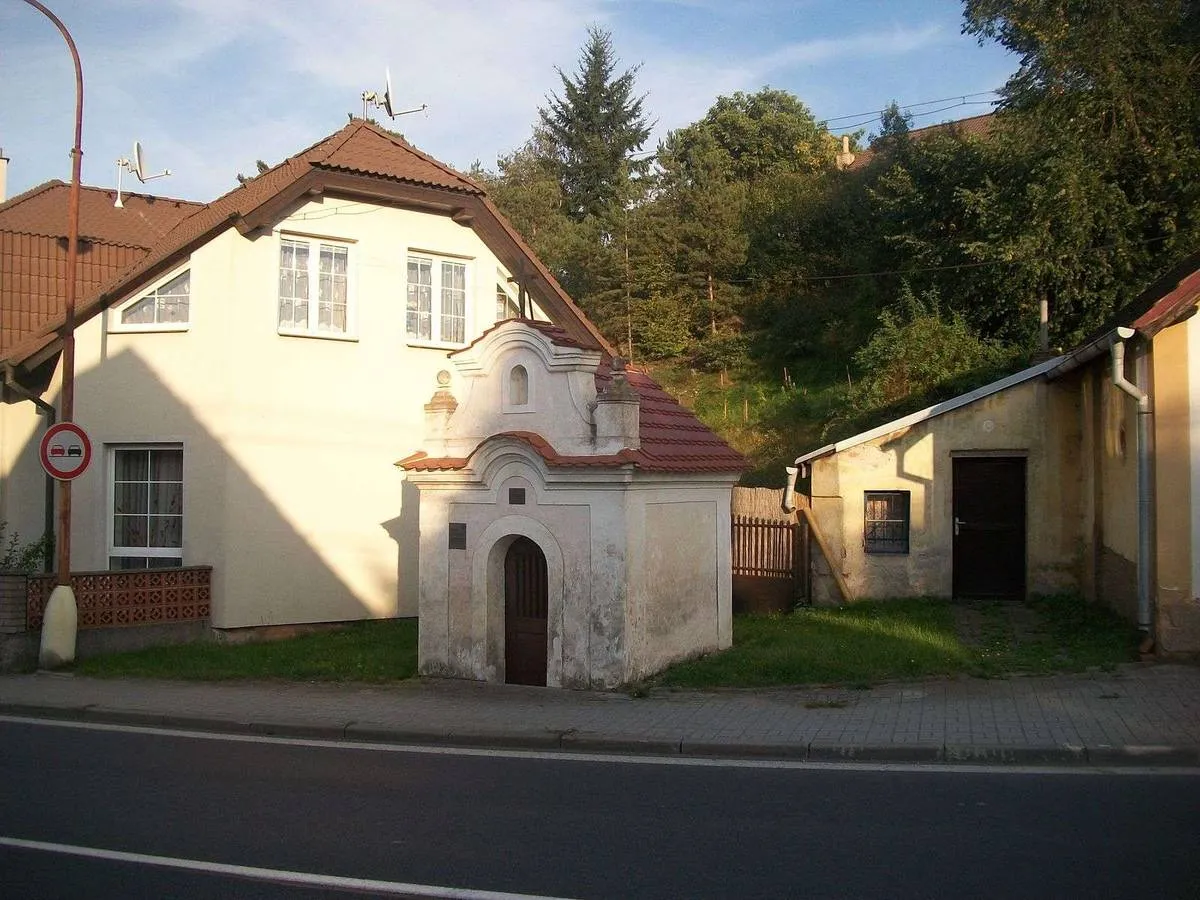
(525, 613)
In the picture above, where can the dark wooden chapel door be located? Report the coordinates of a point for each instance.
(525, 613)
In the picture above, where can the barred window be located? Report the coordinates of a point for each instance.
(885, 528)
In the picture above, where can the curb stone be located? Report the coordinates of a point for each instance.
(1000, 756)
(603, 743)
(909, 753)
(794, 750)
(1143, 755)
(1060, 754)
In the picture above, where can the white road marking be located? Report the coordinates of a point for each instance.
(276, 876)
(927, 768)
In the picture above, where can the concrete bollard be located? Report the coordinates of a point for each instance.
(60, 624)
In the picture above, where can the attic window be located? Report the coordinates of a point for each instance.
(506, 306)
(165, 308)
(518, 387)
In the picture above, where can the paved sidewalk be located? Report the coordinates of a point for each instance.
(1141, 715)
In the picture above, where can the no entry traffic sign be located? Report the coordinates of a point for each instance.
(65, 451)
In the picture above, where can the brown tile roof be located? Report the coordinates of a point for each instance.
(141, 223)
(359, 149)
(974, 127)
(1172, 298)
(33, 249)
(373, 152)
(673, 440)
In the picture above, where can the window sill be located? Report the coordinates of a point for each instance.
(433, 345)
(319, 335)
(149, 329)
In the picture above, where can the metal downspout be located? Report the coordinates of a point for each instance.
(51, 415)
(1145, 514)
(790, 490)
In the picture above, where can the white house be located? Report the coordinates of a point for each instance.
(249, 370)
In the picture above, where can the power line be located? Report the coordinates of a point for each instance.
(931, 112)
(878, 112)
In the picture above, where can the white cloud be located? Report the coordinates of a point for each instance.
(209, 86)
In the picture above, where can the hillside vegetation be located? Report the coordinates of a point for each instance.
(790, 301)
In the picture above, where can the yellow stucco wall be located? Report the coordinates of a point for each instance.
(289, 442)
(1178, 609)
(1035, 420)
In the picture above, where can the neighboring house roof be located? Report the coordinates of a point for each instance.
(1172, 298)
(33, 248)
(361, 160)
(975, 127)
(672, 439)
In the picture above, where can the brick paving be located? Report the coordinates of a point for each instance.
(1139, 713)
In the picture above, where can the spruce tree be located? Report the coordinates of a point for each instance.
(594, 127)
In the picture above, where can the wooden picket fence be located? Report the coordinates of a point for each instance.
(770, 564)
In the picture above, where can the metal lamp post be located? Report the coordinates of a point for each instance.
(61, 617)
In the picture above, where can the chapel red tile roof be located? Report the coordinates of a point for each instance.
(555, 333)
(33, 249)
(673, 440)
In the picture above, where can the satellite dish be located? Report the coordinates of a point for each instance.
(137, 165)
(384, 102)
(387, 93)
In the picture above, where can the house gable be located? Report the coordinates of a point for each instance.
(361, 162)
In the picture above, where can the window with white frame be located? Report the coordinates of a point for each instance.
(436, 303)
(305, 264)
(145, 505)
(166, 307)
(506, 306)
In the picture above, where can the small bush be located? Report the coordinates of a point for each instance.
(18, 557)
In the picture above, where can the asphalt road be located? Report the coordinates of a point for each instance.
(564, 827)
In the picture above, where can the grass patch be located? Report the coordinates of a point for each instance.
(1059, 633)
(865, 642)
(890, 640)
(380, 651)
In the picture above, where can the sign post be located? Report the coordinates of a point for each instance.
(65, 453)
(62, 599)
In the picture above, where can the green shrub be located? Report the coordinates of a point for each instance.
(18, 557)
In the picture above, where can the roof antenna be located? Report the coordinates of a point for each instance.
(384, 101)
(137, 166)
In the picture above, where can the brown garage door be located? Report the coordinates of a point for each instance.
(989, 527)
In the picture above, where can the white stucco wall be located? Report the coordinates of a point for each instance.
(638, 562)
(290, 491)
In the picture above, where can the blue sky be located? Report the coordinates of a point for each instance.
(209, 86)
